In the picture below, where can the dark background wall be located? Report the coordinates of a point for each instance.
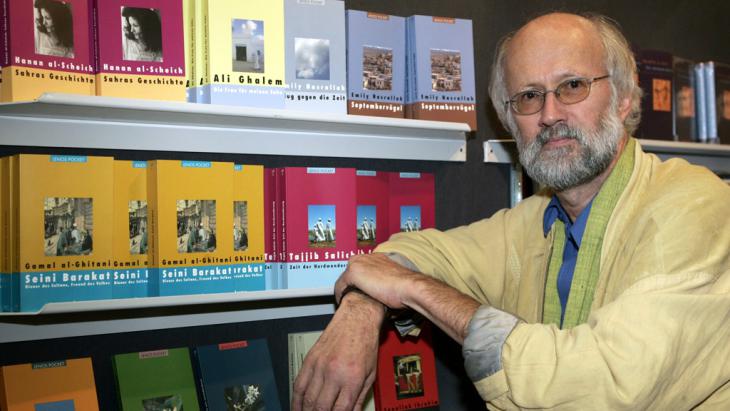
(465, 191)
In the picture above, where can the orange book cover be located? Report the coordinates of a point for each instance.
(51, 385)
(248, 226)
(63, 206)
(131, 275)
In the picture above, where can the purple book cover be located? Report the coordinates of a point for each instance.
(48, 48)
(141, 52)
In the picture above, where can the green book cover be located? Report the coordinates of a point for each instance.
(156, 380)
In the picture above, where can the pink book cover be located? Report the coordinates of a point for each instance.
(318, 227)
(49, 48)
(412, 200)
(371, 223)
(141, 52)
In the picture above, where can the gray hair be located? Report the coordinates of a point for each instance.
(619, 61)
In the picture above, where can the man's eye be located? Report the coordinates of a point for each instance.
(574, 84)
(529, 95)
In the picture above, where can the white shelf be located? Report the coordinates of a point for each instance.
(716, 157)
(64, 120)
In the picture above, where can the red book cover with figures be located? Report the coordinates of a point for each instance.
(412, 201)
(655, 79)
(318, 224)
(371, 223)
(406, 376)
(141, 49)
(48, 48)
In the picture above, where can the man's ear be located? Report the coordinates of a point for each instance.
(624, 107)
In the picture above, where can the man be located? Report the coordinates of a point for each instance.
(608, 290)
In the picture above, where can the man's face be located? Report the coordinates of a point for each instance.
(562, 146)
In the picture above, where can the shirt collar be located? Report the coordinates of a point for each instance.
(555, 211)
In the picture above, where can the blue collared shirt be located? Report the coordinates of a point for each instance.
(573, 237)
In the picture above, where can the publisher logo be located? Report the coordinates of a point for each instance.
(410, 175)
(196, 164)
(312, 2)
(153, 354)
(447, 20)
(139, 164)
(320, 170)
(378, 16)
(366, 173)
(233, 345)
(48, 364)
(237, 167)
(68, 159)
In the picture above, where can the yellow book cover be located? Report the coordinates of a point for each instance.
(189, 211)
(49, 48)
(141, 49)
(64, 212)
(131, 273)
(245, 49)
(49, 386)
(248, 226)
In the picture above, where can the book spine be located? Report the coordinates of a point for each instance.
(204, 56)
(153, 237)
(701, 103)
(273, 228)
(281, 195)
(198, 370)
(14, 217)
(95, 41)
(190, 28)
(4, 43)
(710, 109)
(4, 270)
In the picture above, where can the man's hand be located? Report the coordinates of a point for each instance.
(340, 368)
(379, 277)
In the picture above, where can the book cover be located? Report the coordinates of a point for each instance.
(63, 385)
(441, 76)
(248, 227)
(318, 227)
(717, 89)
(411, 202)
(238, 375)
(189, 27)
(199, 59)
(156, 380)
(3, 43)
(48, 48)
(244, 50)
(372, 209)
(130, 242)
(683, 107)
(406, 375)
(655, 79)
(64, 209)
(191, 240)
(315, 56)
(270, 232)
(376, 64)
(140, 49)
(700, 102)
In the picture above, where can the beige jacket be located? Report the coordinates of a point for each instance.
(658, 336)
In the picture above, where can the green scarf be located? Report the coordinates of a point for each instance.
(587, 266)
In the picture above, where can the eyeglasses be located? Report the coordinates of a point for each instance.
(570, 91)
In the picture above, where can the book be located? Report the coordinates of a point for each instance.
(315, 56)
(376, 64)
(237, 375)
(270, 231)
(9, 280)
(318, 224)
(701, 102)
(248, 227)
(48, 48)
(411, 202)
(440, 81)
(155, 380)
(130, 242)
(406, 374)
(655, 79)
(5, 268)
(67, 254)
(140, 49)
(299, 345)
(372, 209)
(683, 106)
(199, 59)
(189, 28)
(243, 46)
(191, 237)
(63, 385)
(717, 95)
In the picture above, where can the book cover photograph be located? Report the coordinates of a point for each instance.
(318, 224)
(315, 56)
(441, 83)
(376, 64)
(655, 79)
(238, 375)
(406, 373)
(131, 277)
(141, 49)
(49, 47)
(244, 46)
(372, 209)
(64, 229)
(411, 202)
(63, 385)
(248, 227)
(192, 228)
(156, 380)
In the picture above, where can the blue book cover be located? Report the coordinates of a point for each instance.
(315, 55)
(441, 73)
(237, 376)
(700, 102)
(376, 64)
(710, 107)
